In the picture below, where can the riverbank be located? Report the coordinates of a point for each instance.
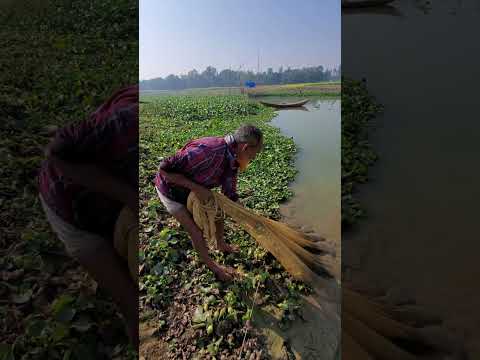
(319, 89)
(50, 307)
(176, 289)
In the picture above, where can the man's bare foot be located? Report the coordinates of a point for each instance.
(225, 273)
(226, 248)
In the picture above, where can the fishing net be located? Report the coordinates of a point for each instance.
(296, 252)
(205, 216)
(370, 330)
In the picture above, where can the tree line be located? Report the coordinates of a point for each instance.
(211, 77)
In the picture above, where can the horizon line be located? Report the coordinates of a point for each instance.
(230, 68)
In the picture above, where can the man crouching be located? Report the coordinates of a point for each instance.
(199, 166)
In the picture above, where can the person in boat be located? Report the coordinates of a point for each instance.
(199, 166)
(87, 181)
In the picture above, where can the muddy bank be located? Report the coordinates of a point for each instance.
(313, 335)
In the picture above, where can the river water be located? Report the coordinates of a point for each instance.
(316, 130)
(421, 235)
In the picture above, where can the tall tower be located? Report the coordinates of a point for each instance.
(258, 61)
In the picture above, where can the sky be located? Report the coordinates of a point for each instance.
(177, 36)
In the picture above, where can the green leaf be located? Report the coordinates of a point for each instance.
(37, 352)
(60, 331)
(22, 298)
(61, 302)
(188, 286)
(164, 233)
(83, 352)
(62, 310)
(35, 327)
(116, 351)
(83, 324)
(199, 316)
(6, 352)
(65, 314)
(67, 355)
(212, 349)
(209, 329)
(162, 244)
(283, 305)
(60, 43)
(158, 269)
(83, 303)
(172, 255)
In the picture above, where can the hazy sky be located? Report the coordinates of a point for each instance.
(177, 36)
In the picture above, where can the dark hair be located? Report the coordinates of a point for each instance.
(248, 134)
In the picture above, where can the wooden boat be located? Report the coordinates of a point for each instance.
(284, 104)
(352, 4)
(300, 108)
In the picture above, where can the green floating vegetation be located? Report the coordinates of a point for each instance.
(198, 108)
(174, 284)
(358, 109)
(61, 59)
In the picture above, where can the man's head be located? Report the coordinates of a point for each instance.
(249, 141)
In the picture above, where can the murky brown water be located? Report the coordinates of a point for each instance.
(422, 201)
(316, 130)
(316, 203)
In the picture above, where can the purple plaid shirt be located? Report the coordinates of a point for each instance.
(209, 161)
(109, 139)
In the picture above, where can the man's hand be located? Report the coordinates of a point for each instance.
(203, 194)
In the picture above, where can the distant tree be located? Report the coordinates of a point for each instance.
(269, 78)
(227, 77)
(193, 79)
(210, 75)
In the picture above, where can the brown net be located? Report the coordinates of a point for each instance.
(370, 330)
(291, 248)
